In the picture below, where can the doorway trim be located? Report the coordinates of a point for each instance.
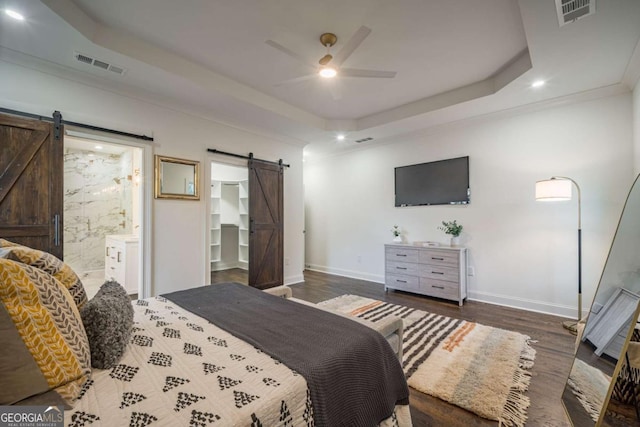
(206, 192)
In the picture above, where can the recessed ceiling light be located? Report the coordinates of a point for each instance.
(98, 147)
(538, 83)
(327, 72)
(14, 14)
(340, 137)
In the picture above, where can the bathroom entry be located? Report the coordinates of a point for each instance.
(102, 212)
(229, 223)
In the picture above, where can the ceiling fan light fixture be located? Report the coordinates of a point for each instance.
(325, 59)
(328, 72)
(328, 39)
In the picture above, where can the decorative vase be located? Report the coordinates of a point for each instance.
(455, 241)
(397, 239)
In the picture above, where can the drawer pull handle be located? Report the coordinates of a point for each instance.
(401, 254)
(401, 268)
(437, 272)
(119, 253)
(437, 287)
(107, 250)
(401, 281)
(437, 259)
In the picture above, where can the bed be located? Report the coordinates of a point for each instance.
(185, 362)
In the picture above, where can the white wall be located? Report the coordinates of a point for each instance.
(229, 202)
(636, 126)
(524, 253)
(623, 264)
(179, 229)
(223, 172)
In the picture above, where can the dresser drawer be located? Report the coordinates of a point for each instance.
(407, 283)
(402, 255)
(408, 268)
(439, 288)
(436, 257)
(121, 260)
(116, 274)
(439, 272)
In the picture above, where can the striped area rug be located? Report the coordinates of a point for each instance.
(480, 368)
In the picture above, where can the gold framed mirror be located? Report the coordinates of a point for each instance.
(602, 388)
(176, 178)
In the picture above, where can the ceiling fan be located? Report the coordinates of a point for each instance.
(330, 66)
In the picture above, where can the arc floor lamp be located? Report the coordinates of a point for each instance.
(558, 188)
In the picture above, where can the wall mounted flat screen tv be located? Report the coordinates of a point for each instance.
(445, 182)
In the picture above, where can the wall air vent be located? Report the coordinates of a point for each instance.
(571, 10)
(85, 59)
(360, 141)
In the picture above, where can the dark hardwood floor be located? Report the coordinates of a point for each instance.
(554, 345)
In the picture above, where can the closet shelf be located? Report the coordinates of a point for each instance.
(224, 221)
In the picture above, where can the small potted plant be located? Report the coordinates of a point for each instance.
(452, 228)
(397, 234)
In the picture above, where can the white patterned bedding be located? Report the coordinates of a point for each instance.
(180, 370)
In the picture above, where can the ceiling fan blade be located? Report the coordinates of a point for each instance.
(296, 80)
(334, 89)
(351, 45)
(289, 52)
(356, 72)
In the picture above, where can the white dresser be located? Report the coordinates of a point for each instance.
(435, 271)
(121, 260)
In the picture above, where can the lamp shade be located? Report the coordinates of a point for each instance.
(553, 190)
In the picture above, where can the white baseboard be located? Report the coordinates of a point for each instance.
(524, 304)
(347, 273)
(292, 280)
(221, 265)
(486, 297)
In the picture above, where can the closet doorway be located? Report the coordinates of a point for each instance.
(229, 223)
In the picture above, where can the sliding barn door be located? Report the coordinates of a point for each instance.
(265, 224)
(31, 168)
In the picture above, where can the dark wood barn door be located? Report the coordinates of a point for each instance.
(265, 224)
(31, 173)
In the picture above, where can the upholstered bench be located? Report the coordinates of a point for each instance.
(390, 327)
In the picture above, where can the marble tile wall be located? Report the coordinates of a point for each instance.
(97, 189)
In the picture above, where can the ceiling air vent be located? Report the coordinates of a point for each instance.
(85, 59)
(100, 64)
(360, 141)
(571, 10)
(80, 57)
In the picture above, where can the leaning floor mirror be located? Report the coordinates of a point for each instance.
(602, 388)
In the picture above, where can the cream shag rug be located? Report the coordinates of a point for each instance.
(480, 368)
(590, 386)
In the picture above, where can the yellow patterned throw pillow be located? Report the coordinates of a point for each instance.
(47, 263)
(44, 345)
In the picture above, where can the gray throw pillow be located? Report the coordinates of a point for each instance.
(107, 319)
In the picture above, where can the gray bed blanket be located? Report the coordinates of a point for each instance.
(352, 374)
